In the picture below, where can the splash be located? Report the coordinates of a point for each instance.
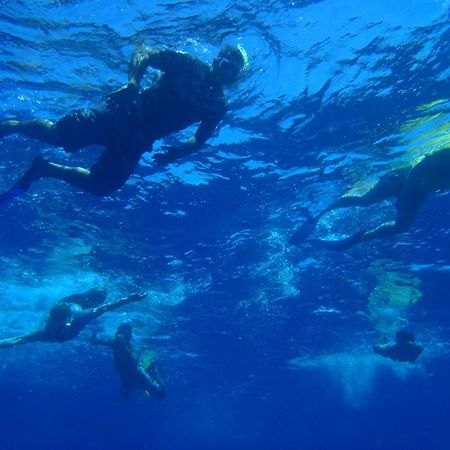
(354, 374)
(278, 273)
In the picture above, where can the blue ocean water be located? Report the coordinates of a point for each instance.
(263, 345)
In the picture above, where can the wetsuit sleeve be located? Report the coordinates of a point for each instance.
(207, 128)
(165, 60)
(204, 131)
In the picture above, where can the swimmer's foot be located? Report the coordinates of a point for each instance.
(10, 194)
(343, 244)
(36, 171)
(303, 231)
(7, 127)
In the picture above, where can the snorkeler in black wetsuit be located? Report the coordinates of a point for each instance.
(404, 349)
(132, 374)
(188, 91)
(410, 186)
(70, 315)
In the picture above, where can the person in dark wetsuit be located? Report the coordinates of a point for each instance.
(404, 349)
(133, 375)
(70, 315)
(188, 91)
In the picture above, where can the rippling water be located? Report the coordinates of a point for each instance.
(260, 341)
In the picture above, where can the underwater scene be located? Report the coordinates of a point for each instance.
(224, 224)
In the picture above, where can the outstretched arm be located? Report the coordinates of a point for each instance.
(25, 339)
(88, 315)
(383, 350)
(95, 340)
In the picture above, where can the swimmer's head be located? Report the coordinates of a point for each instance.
(125, 330)
(229, 64)
(404, 335)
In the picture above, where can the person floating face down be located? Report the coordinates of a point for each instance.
(133, 375)
(404, 349)
(131, 120)
(409, 185)
(70, 315)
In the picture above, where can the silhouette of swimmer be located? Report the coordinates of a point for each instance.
(410, 186)
(133, 374)
(70, 315)
(188, 91)
(404, 349)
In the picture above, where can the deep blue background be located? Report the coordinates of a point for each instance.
(262, 344)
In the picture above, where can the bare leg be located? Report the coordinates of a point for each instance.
(408, 205)
(405, 216)
(150, 384)
(41, 129)
(389, 185)
(76, 176)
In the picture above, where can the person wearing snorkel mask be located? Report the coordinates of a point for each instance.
(188, 91)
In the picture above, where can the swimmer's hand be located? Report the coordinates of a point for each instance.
(173, 152)
(137, 296)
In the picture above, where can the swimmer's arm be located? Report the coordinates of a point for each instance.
(25, 339)
(379, 350)
(95, 340)
(90, 314)
(164, 60)
(203, 133)
(384, 350)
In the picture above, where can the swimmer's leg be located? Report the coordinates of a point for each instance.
(41, 129)
(150, 385)
(377, 193)
(388, 185)
(407, 206)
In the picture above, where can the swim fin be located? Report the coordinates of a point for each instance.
(14, 192)
(303, 231)
(24, 182)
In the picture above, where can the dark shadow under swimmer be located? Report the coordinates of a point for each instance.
(133, 374)
(67, 318)
(409, 186)
(189, 91)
